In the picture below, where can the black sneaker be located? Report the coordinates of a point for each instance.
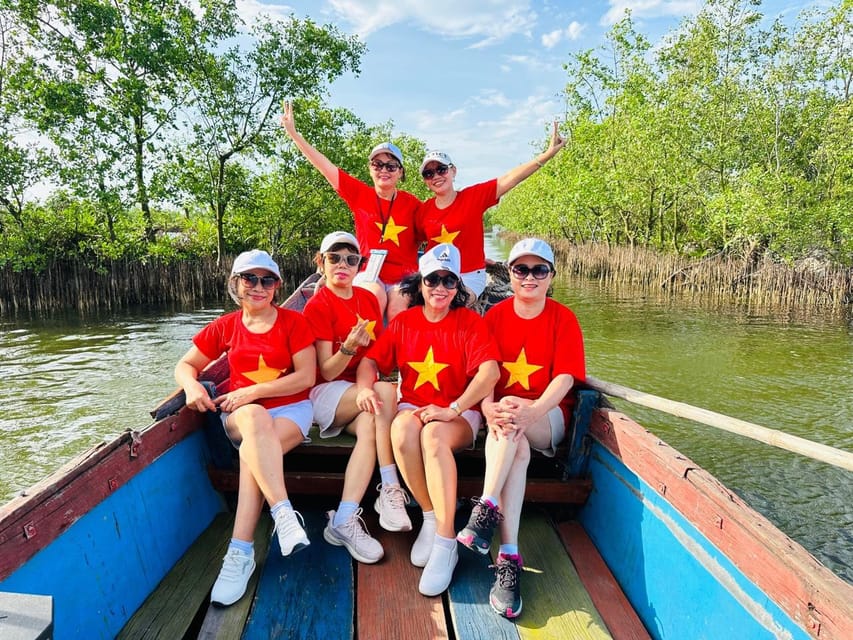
(477, 534)
(505, 596)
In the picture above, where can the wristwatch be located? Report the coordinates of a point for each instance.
(455, 406)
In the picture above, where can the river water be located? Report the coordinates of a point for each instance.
(67, 386)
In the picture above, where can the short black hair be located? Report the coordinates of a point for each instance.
(411, 287)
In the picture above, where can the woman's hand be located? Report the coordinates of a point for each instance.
(368, 400)
(358, 336)
(233, 400)
(557, 142)
(197, 398)
(287, 118)
(434, 413)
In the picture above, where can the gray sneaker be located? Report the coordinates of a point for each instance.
(391, 507)
(291, 535)
(353, 535)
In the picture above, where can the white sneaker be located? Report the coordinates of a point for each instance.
(423, 544)
(391, 507)
(230, 585)
(353, 535)
(438, 572)
(291, 535)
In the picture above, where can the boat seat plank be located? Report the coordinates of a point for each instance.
(618, 614)
(170, 609)
(389, 603)
(225, 623)
(308, 594)
(556, 604)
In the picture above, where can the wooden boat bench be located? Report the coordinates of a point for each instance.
(317, 467)
(322, 593)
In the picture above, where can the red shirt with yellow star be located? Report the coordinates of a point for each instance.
(383, 224)
(533, 352)
(332, 318)
(461, 224)
(436, 359)
(257, 357)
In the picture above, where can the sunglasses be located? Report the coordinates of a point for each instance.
(351, 259)
(388, 166)
(538, 271)
(441, 170)
(449, 281)
(250, 280)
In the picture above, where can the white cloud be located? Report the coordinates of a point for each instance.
(490, 22)
(649, 9)
(572, 32)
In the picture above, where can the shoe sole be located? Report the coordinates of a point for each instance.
(388, 526)
(331, 539)
(299, 546)
(506, 613)
(468, 543)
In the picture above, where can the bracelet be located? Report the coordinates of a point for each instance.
(347, 352)
(539, 164)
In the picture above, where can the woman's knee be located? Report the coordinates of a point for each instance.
(251, 421)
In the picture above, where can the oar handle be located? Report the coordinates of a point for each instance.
(774, 437)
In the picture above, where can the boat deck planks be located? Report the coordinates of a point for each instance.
(171, 608)
(618, 614)
(225, 623)
(308, 594)
(389, 603)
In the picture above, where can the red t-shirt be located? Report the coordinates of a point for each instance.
(436, 359)
(461, 224)
(383, 224)
(332, 318)
(257, 357)
(533, 352)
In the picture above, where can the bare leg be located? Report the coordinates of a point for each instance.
(512, 495)
(439, 440)
(388, 395)
(250, 502)
(362, 460)
(260, 450)
(397, 302)
(378, 290)
(406, 442)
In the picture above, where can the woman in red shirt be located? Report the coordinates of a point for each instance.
(346, 320)
(384, 216)
(541, 358)
(447, 364)
(266, 411)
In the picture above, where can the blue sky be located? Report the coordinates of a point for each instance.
(478, 79)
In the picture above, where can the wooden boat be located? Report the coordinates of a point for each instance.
(623, 537)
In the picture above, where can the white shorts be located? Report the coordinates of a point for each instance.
(472, 417)
(558, 431)
(326, 397)
(298, 412)
(475, 281)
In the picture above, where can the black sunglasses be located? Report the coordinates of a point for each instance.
(539, 271)
(449, 281)
(388, 166)
(250, 280)
(350, 259)
(440, 170)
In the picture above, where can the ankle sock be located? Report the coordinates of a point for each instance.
(345, 512)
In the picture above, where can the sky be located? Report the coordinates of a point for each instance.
(480, 80)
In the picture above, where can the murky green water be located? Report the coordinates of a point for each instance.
(67, 386)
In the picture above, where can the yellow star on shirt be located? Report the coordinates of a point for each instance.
(263, 373)
(520, 371)
(427, 370)
(392, 231)
(370, 327)
(446, 237)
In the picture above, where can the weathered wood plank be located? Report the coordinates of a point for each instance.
(618, 614)
(468, 597)
(225, 623)
(308, 594)
(389, 603)
(556, 604)
(169, 611)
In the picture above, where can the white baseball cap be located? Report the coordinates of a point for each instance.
(338, 237)
(386, 147)
(436, 156)
(254, 259)
(531, 247)
(442, 257)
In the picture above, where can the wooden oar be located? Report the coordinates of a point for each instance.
(815, 450)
